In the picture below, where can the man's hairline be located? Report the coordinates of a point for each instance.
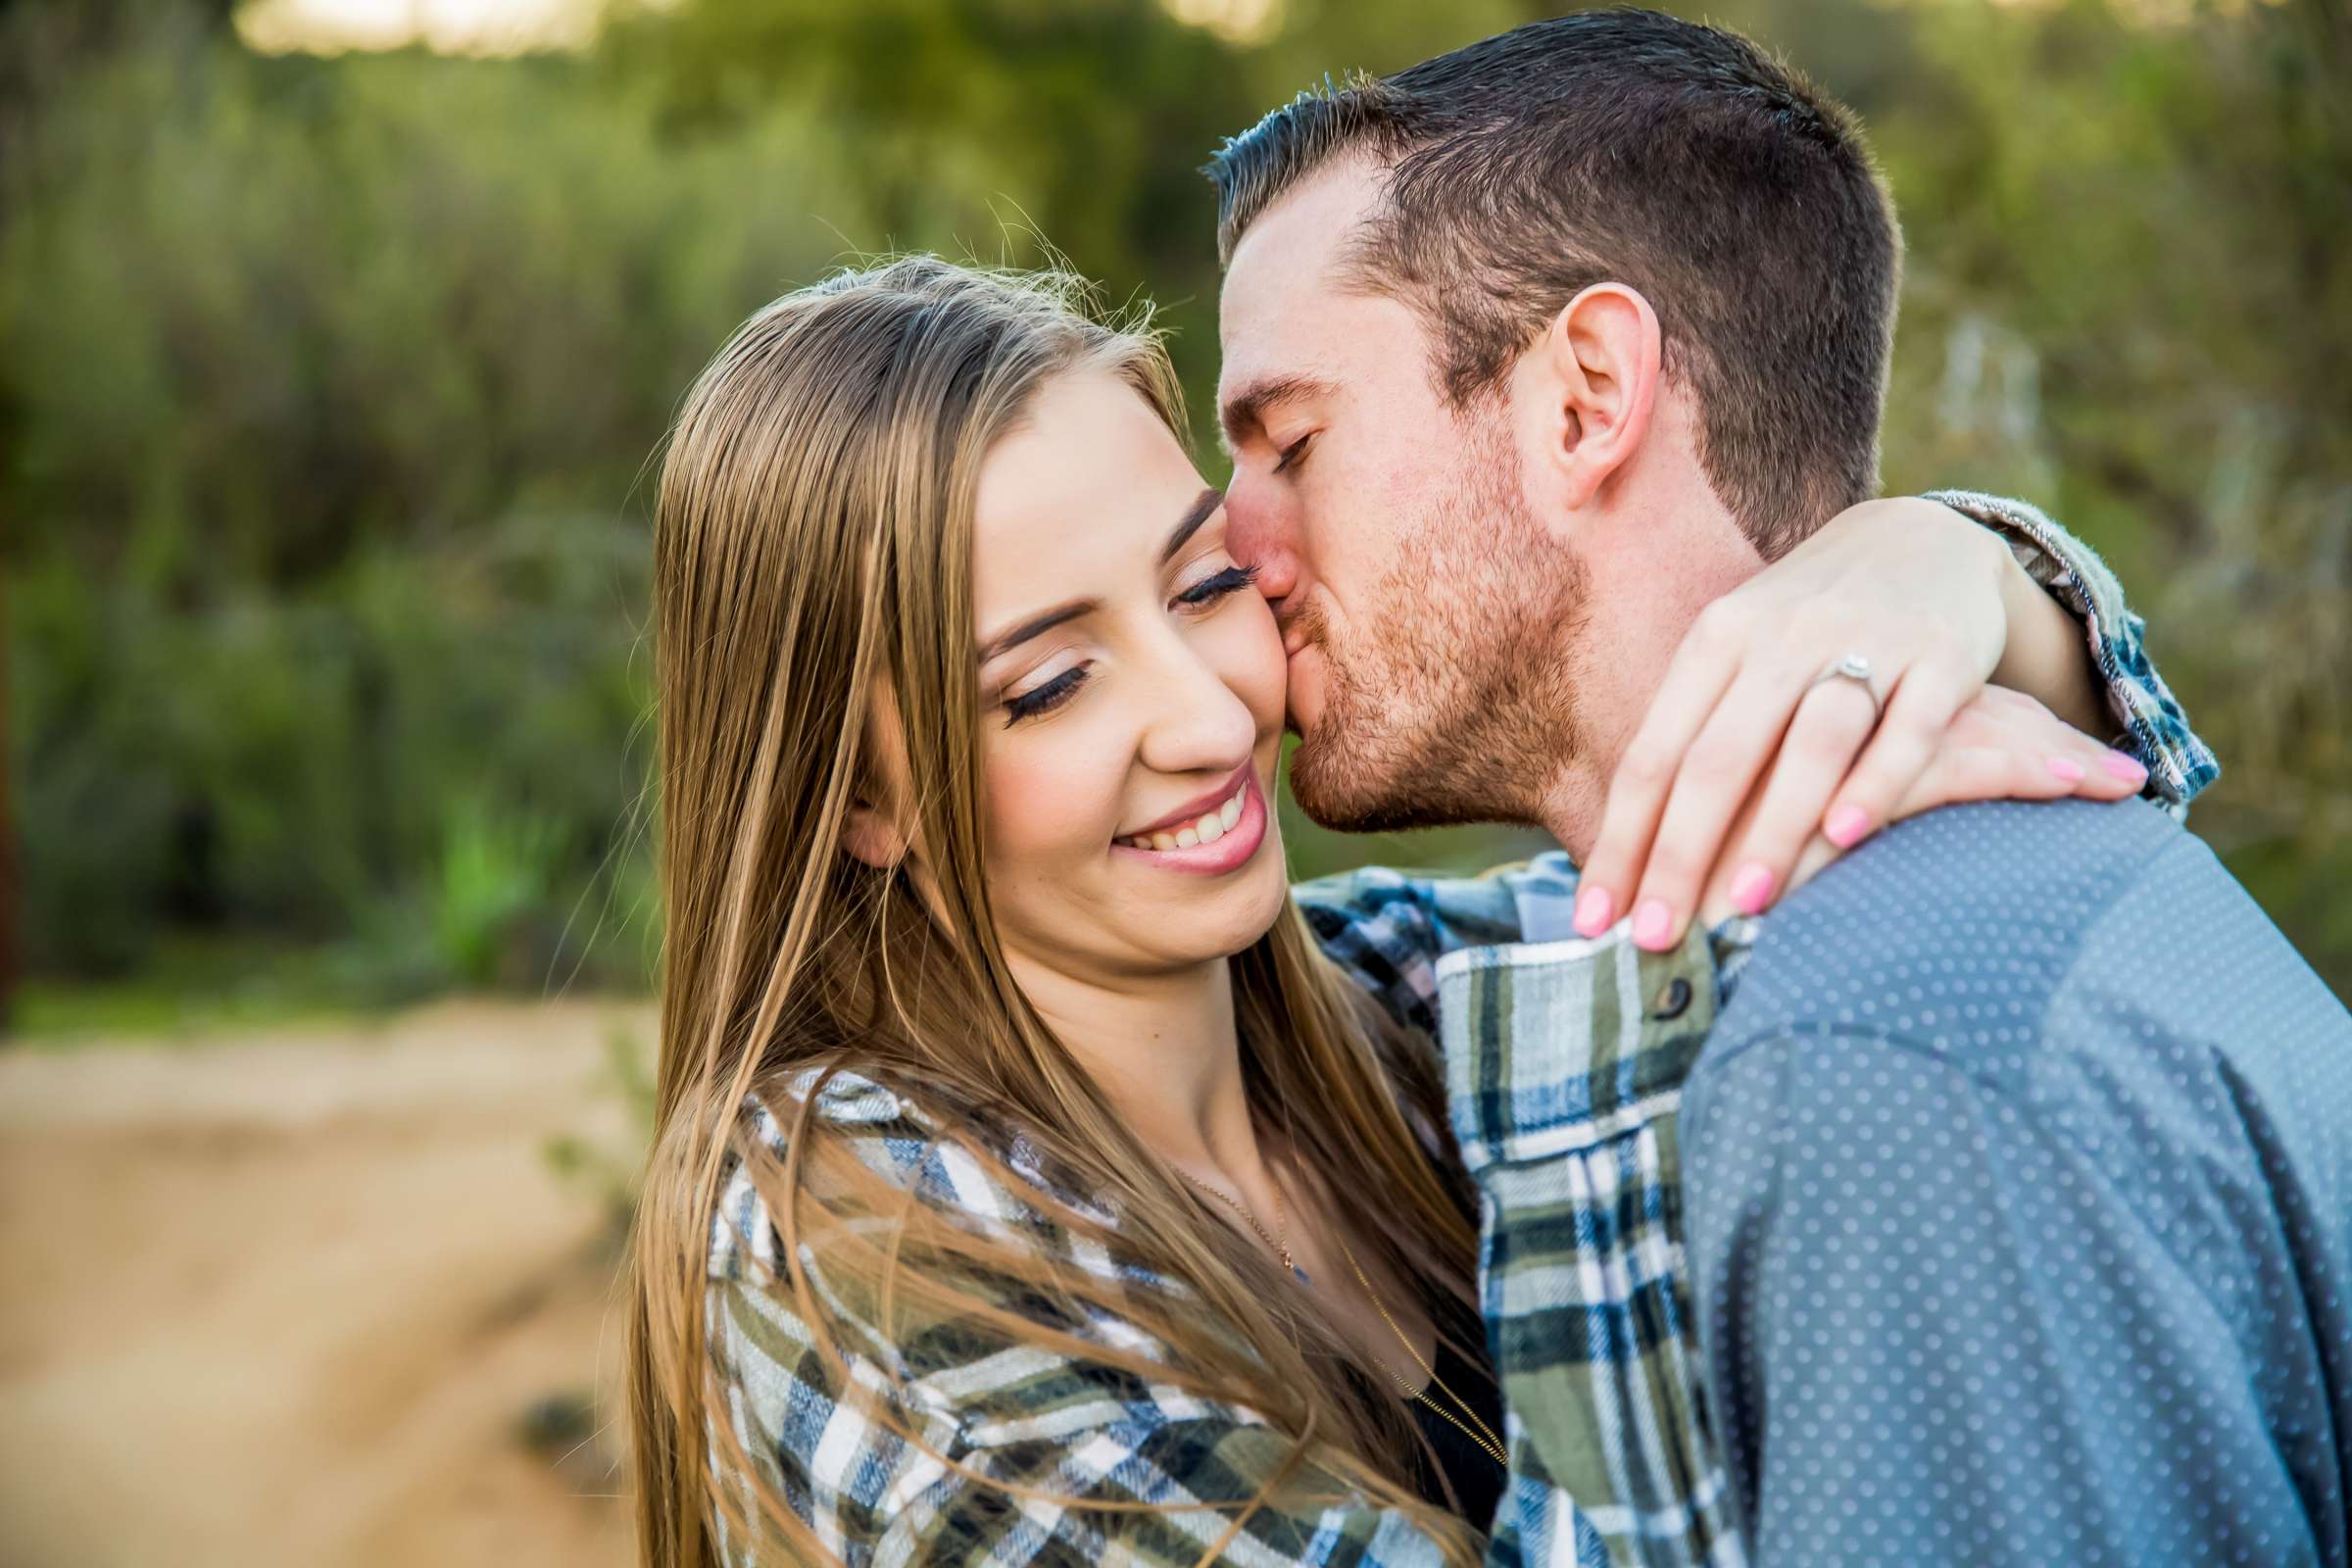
(1352, 271)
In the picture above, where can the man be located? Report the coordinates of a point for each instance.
(2018, 1215)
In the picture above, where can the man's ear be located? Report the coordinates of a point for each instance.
(1598, 366)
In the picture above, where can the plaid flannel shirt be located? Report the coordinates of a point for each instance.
(1564, 1061)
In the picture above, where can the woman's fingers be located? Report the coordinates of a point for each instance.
(1917, 717)
(2000, 744)
(2005, 746)
(1740, 740)
(1702, 668)
(1832, 723)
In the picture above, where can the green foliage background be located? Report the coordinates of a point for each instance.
(327, 389)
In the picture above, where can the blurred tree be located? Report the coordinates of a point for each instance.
(2130, 296)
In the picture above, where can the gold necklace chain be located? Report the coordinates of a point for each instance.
(1468, 1422)
(1280, 1244)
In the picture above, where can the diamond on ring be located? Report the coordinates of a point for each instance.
(1853, 666)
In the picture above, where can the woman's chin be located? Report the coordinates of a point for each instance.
(1255, 910)
(1222, 923)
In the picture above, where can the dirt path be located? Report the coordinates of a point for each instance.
(286, 1300)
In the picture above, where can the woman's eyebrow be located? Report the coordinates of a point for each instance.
(1203, 506)
(1034, 626)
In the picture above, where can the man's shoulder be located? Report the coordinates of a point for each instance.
(2075, 851)
(2021, 863)
(1986, 908)
(2001, 938)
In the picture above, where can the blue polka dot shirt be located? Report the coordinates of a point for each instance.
(2019, 1185)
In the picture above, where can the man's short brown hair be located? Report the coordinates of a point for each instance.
(1630, 147)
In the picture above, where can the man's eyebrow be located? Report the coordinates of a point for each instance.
(1034, 626)
(1248, 408)
(1204, 507)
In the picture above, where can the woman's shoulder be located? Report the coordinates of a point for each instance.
(899, 1137)
(1386, 929)
(881, 1128)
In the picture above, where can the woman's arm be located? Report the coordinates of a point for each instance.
(2139, 711)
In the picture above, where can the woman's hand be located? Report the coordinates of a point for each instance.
(1925, 596)
(2001, 746)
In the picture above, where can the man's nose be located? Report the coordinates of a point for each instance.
(1256, 538)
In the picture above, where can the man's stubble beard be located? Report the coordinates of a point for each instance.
(1457, 701)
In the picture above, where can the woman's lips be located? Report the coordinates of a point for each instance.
(1231, 849)
(1194, 815)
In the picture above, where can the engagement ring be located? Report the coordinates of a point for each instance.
(1856, 668)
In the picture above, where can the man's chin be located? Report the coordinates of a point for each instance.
(1345, 792)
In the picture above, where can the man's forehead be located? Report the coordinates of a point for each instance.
(1286, 269)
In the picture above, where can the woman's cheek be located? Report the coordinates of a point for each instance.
(1250, 657)
(1049, 791)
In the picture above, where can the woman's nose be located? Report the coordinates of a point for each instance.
(1198, 723)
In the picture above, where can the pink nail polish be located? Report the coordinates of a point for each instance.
(1751, 888)
(1651, 921)
(2127, 768)
(1848, 826)
(2067, 768)
(1594, 910)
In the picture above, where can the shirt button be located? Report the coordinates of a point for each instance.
(1673, 1001)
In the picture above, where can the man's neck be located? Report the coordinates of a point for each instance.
(1654, 561)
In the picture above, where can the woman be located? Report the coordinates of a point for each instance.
(985, 1009)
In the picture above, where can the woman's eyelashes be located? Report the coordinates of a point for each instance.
(1045, 697)
(1293, 453)
(1208, 589)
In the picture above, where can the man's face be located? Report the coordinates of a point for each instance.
(1427, 614)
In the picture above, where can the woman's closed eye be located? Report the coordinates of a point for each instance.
(1044, 696)
(1208, 589)
(1293, 453)
(1060, 687)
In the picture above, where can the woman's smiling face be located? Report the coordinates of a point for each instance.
(1131, 695)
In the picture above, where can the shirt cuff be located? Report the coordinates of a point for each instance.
(1557, 1046)
(2154, 728)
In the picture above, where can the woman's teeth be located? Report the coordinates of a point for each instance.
(1205, 830)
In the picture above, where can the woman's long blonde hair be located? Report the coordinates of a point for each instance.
(813, 542)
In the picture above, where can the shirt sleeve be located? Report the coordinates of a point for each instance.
(1388, 929)
(2150, 722)
(1009, 1463)
(1037, 1478)
(1941, 1326)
